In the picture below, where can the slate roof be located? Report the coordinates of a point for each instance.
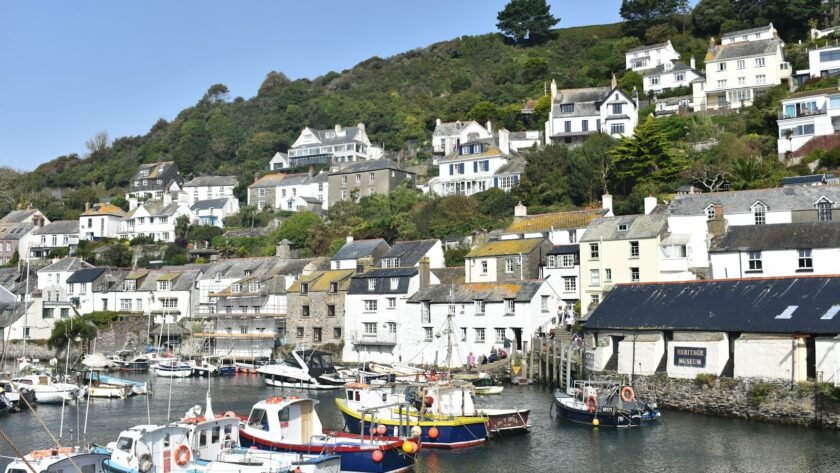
(59, 227)
(780, 236)
(805, 180)
(648, 47)
(370, 165)
(660, 69)
(361, 248)
(16, 232)
(234, 268)
(747, 31)
(520, 291)
(359, 282)
(733, 305)
(410, 252)
(741, 49)
(18, 216)
(448, 276)
(209, 204)
(269, 180)
(217, 181)
(346, 137)
(452, 128)
(154, 170)
(103, 209)
(585, 101)
(85, 275)
(319, 281)
(156, 208)
(302, 178)
(68, 264)
(514, 166)
(506, 247)
(638, 227)
(735, 202)
(183, 279)
(491, 150)
(564, 250)
(554, 221)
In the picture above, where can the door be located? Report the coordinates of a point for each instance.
(517, 332)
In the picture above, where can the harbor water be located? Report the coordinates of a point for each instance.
(681, 442)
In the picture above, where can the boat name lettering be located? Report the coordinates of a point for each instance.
(692, 357)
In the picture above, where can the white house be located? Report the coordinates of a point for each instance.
(477, 166)
(214, 211)
(578, 113)
(92, 289)
(806, 115)
(670, 75)
(476, 318)
(207, 188)
(745, 64)
(313, 188)
(525, 140)
(170, 291)
(824, 61)
(101, 220)
(648, 57)
(449, 135)
(278, 162)
(16, 229)
(351, 254)
(783, 249)
(153, 219)
(408, 254)
(55, 303)
(338, 145)
(58, 234)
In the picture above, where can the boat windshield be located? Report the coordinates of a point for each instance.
(15, 470)
(326, 361)
(124, 444)
(258, 420)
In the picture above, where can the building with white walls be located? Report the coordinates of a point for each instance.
(669, 76)
(58, 234)
(650, 56)
(100, 220)
(447, 136)
(477, 166)
(152, 181)
(578, 113)
(335, 145)
(806, 115)
(154, 219)
(207, 188)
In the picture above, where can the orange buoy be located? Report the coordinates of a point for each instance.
(274, 400)
(433, 433)
(429, 400)
(377, 456)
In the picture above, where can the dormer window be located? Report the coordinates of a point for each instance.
(567, 108)
(371, 284)
(760, 213)
(622, 227)
(395, 282)
(163, 285)
(254, 286)
(236, 288)
(333, 287)
(248, 272)
(218, 276)
(304, 288)
(823, 210)
(130, 285)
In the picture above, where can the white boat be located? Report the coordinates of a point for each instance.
(304, 369)
(203, 367)
(100, 388)
(47, 391)
(58, 460)
(136, 386)
(173, 369)
(14, 393)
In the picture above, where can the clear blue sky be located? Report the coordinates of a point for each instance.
(70, 69)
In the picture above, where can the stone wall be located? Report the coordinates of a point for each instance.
(750, 399)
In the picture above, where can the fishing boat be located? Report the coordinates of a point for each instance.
(303, 369)
(226, 364)
(58, 460)
(445, 414)
(606, 404)
(400, 372)
(173, 369)
(292, 424)
(99, 388)
(137, 387)
(14, 394)
(483, 383)
(46, 391)
(151, 448)
(138, 363)
(203, 368)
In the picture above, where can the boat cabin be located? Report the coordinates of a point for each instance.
(143, 447)
(209, 437)
(288, 420)
(58, 461)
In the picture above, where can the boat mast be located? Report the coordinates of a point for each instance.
(25, 306)
(449, 316)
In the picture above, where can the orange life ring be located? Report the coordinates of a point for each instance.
(274, 400)
(292, 398)
(591, 403)
(182, 455)
(628, 394)
(230, 414)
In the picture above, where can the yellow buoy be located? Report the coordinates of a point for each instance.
(596, 422)
(408, 446)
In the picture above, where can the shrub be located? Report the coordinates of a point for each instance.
(758, 392)
(705, 379)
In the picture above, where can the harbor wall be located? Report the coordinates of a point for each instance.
(807, 404)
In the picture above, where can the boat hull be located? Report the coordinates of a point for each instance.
(166, 372)
(503, 421)
(485, 390)
(606, 418)
(136, 366)
(354, 458)
(462, 432)
(280, 381)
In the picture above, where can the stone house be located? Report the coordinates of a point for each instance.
(316, 308)
(366, 178)
(507, 260)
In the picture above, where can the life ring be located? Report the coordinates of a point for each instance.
(182, 455)
(591, 403)
(145, 463)
(628, 394)
(274, 400)
(230, 414)
(293, 398)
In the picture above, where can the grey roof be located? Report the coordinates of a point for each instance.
(451, 128)
(520, 291)
(156, 208)
(269, 180)
(16, 232)
(448, 276)
(564, 250)
(523, 135)
(10, 312)
(780, 236)
(747, 31)
(59, 227)
(410, 252)
(809, 179)
(514, 166)
(18, 216)
(85, 275)
(586, 100)
(370, 165)
(775, 305)
(335, 139)
(310, 200)
(361, 248)
(302, 178)
(648, 47)
(202, 181)
(209, 204)
(234, 268)
(638, 226)
(184, 282)
(735, 202)
(359, 282)
(68, 264)
(741, 49)
(660, 69)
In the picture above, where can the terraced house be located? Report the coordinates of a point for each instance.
(316, 307)
(507, 260)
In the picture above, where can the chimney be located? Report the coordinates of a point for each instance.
(423, 272)
(520, 210)
(132, 203)
(337, 129)
(614, 81)
(87, 206)
(504, 141)
(717, 224)
(438, 122)
(311, 171)
(650, 204)
(283, 249)
(692, 63)
(606, 203)
(360, 126)
(553, 89)
(349, 238)
(489, 127)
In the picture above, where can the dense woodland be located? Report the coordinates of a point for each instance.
(487, 77)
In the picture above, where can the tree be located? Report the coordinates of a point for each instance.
(709, 15)
(99, 142)
(297, 228)
(647, 157)
(117, 255)
(182, 227)
(639, 15)
(526, 21)
(70, 329)
(217, 93)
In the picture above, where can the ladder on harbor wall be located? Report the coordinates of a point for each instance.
(552, 361)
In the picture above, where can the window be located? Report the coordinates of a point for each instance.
(65, 312)
(344, 179)
(569, 284)
(483, 166)
(622, 227)
(395, 283)
(47, 313)
(370, 306)
(760, 213)
(759, 62)
(333, 287)
(594, 277)
(551, 262)
(428, 333)
(336, 332)
(634, 249)
(679, 76)
(741, 64)
(479, 307)
(607, 275)
(358, 178)
(567, 126)
(236, 288)
(742, 80)
(617, 128)
(799, 130)
(304, 311)
(593, 251)
(500, 335)
(483, 267)
(316, 334)
(721, 66)
(463, 334)
(755, 261)
(823, 210)
(425, 313)
(584, 124)
(162, 219)
(392, 302)
(761, 79)
(451, 309)
(634, 274)
(300, 332)
(304, 288)
(371, 177)
(253, 286)
(479, 335)
(805, 261)
(169, 302)
(654, 80)
(572, 236)
(163, 285)
(125, 304)
(509, 265)
(371, 284)
(130, 285)
(510, 308)
(330, 310)
(617, 108)
(721, 84)
(567, 108)
(370, 328)
(544, 303)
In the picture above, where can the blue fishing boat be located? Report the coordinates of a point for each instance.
(604, 404)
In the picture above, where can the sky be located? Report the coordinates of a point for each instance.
(71, 69)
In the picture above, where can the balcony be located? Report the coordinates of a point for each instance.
(802, 113)
(374, 339)
(673, 265)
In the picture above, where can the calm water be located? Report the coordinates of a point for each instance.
(682, 442)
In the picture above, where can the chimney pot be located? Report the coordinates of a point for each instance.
(438, 122)
(520, 210)
(349, 238)
(607, 203)
(423, 272)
